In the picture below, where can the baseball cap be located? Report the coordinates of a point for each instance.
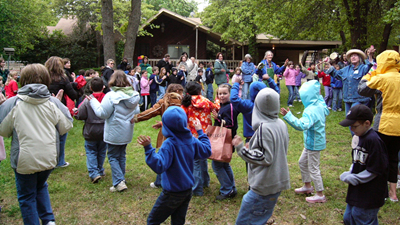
(358, 112)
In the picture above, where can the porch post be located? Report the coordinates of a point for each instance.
(197, 39)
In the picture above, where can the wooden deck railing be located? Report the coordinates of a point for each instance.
(231, 64)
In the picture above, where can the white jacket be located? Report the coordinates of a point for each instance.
(34, 122)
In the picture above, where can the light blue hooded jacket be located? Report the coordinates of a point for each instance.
(312, 123)
(117, 109)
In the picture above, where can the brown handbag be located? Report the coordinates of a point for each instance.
(221, 143)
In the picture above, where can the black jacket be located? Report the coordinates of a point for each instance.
(93, 130)
(64, 84)
(162, 63)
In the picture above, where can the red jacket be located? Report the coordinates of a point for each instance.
(326, 78)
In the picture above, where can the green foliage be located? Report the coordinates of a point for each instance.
(20, 20)
(181, 7)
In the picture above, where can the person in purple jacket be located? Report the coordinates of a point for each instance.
(299, 76)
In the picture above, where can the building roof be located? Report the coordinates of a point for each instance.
(66, 25)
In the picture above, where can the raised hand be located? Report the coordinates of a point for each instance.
(143, 140)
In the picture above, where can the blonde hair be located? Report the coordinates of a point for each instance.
(165, 71)
(224, 86)
(10, 77)
(118, 79)
(35, 74)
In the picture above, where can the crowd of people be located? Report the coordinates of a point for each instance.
(183, 96)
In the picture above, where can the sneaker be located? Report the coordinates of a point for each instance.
(304, 190)
(295, 100)
(299, 100)
(153, 185)
(339, 110)
(231, 194)
(51, 223)
(316, 199)
(329, 108)
(120, 187)
(290, 105)
(65, 165)
(96, 179)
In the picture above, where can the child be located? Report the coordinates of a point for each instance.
(132, 79)
(144, 90)
(198, 107)
(154, 86)
(203, 78)
(172, 77)
(228, 116)
(237, 77)
(326, 81)
(117, 108)
(182, 75)
(199, 79)
(162, 84)
(93, 132)
(173, 97)
(210, 81)
(174, 161)
(11, 86)
(290, 81)
(268, 172)
(299, 76)
(367, 177)
(312, 123)
(337, 91)
(34, 152)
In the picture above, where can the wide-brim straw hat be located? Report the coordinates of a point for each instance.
(357, 51)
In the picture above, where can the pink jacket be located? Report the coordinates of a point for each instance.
(145, 86)
(237, 78)
(290, 76)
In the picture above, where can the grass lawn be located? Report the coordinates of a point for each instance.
(75, 200)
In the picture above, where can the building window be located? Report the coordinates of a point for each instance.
(143, 49)
(175, 51)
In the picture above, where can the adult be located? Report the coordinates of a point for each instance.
(59, 81)
(371, 50)
(383, 82)
(192, 73)
(165, 63)
(108, 71)
(3, 71)
(124, 63)
(248, 70)
(67, 70)
(342, 61)
(144, 64)
(220, 70)
(351, 76)
(270, 67)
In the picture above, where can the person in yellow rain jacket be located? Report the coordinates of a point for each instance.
(384, 82)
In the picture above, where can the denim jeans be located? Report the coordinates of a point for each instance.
(201, 176)
(34, 198)
(161, 92)
(61, 156)
(95, 156)
(210, 92)
(328, 96)
(153, 98)
(349, 105)
(296, 93)
(117, 159)
(174, 204)
(256, 209)
(354, 215)
(245, 90)
(337, 98)
(225, 177)
(291, 94)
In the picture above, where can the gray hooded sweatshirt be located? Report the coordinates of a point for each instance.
(268, 170)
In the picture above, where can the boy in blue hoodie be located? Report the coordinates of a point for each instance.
(174, 161)
(312, 123)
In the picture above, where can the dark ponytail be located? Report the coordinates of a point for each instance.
(192, 88)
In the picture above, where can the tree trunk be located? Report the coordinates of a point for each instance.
(357, 13)
(108, 30)
(386, 34)
(343, 37)
(132, 30)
